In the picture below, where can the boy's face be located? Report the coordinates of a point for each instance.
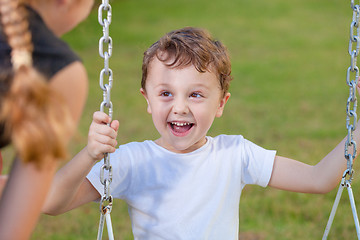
(183, 104)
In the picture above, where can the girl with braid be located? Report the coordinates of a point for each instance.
(39, 77)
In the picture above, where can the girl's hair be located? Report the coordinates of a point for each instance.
(190, 46)
(36, 119)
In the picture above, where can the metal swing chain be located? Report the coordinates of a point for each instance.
(351, 116)
(106, 168)
(351, 119)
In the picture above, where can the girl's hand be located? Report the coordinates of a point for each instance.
(102, 138)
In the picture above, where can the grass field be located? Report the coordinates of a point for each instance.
(289, 61)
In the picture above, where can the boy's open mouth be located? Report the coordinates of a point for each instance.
(180, 128)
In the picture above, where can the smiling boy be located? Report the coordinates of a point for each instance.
(185, 185)
(184, 108)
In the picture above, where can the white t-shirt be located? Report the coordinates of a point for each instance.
(194, 195)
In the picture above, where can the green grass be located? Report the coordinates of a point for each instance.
(289, 61)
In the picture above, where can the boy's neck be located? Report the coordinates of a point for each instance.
(168, 147)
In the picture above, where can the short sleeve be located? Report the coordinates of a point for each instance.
(257, 164)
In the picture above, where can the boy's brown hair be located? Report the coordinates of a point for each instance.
(190, 46)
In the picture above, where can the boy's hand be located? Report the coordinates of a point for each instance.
(102, 138)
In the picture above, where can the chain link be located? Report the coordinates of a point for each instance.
(106, 74)
(105, 6)
(352, 77)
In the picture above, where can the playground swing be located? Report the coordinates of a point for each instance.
(351, 119)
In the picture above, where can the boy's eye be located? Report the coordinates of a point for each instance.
(195, 95)
(166, 94)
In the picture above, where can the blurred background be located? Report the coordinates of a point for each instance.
(289, 62)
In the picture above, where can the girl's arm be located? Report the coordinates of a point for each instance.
(70, 187)
(72, 83)
(23, 197)
(3, 178)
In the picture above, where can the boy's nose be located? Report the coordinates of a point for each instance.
(180, 107)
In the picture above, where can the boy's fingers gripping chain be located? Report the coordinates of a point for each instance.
(101, 117)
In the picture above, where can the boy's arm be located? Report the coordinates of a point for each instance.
(296, 176)
(70, 188)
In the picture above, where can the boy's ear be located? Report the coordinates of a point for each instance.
(143, 92)
(223, 101)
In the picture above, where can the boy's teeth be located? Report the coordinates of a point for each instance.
(180, 124)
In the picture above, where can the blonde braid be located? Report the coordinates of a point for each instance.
(35, 116)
